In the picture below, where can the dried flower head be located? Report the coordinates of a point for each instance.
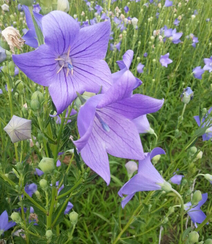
(13, 38)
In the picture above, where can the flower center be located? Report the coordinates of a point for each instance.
(103, 124)
(64, 61)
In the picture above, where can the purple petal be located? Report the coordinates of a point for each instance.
(68, 208)
(127, 60)
(176, 179)
(197, 216)
(126, 199)
(9, 225)
(3, 220)
(142, 124)
(39, 172)
(156, 151)
(197, 120)
(92, 42)
(60, 31)
(30, 189)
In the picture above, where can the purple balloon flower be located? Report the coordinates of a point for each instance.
(105, 125)
(195, 213)
(70, 61)
(4, 224)
(30, 189)
(126, 9)
(176, 179)
(164, 60)
(140, 68)
(176, 22)
(198, 71)
(168, 3)
(176, 36)
(147, 178)
(68, 208)
(208, 64)
(208, 133)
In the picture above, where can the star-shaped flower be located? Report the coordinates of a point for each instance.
(70, 61)
(105, 125)
(164, 60)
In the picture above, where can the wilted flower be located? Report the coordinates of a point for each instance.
(198, 71)
(18, 129)
(4, 224)
(187, 95)
(5, 7)
(164, 60)
(208, 133)
(105, 124)
(70, 61)
(13, 38)
(196, 214)
(147, 178)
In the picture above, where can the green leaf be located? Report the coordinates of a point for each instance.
(101, 217)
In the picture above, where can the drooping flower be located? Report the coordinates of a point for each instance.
(18, 129)
(195, 213)
(70, 61)
(165, 60)
(4, 224)
(198, 71)
(31, 37)
(208, 133)
(147, 178)
(168, 3)
(30, 189)
(208, 64)
(105, 125)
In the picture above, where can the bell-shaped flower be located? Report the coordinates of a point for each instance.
(105, 124)
(147, 178)
(70, 61)
(31, 37)
(208, 133)
(195, 213)
(4, 224)
(18, 129)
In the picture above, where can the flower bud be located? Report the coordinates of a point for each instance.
(37, 96)
(192, 151)
(196, 197)
(13, 38)
(16, 217)
(193, 237)
(20, 85)
(134, 22)
(35, 105)
(5, 7)
(171, 210)
(208, 177)
(165, 220)
(73, 216)
(49, 234)
(47, 165)
(63, 5)
(43, 184)
(208, 241)
(199, 155)
(131, 167)
(187, 95)
(26, 2)
(19, 166)
(156, 158)
(37, 194)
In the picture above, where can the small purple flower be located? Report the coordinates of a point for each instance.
(105, 124)
(147, 178)
(145, 55)
(164, 60)
(208, 64)
(208, 133)
(176, 36)
(194, 41)
(3, 55)
(38, 172)
(115, 47)
(70, 61)
(195, 213)
(176, 179)
(4, 224)
(198, 71)
(176, 22)
(36, 8)
(68, 208)
(98, 9)
(140, 68)
(168, 3)
(30, 189)
(126, 9)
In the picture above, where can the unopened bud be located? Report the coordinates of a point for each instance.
(171, 210)
(192, 151)
(165, 186)
(63, 5)
(49, 234)
(208, 241)
(156, 158)
(193, 237)
(73, 216)
(16, 217)
(43, 184)
(47, 165)
(196, 197)
(131, 167)
(208, 177)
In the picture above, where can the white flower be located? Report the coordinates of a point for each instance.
(5, 7)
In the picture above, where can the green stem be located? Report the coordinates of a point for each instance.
(34, 202)
(182, 212)
(49, 216)
(109, 2)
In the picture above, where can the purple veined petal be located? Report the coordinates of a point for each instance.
(30, 39)
(176, 179)
(197, 120)
(92, 42)
(117, 75)
(39, 65)
(38, 18)
(197, 216)
(65, 30)
(95, 157)
(92, 75)
(142, 124)
(122, 139)
(68, 208)
(137, 105)
(156, 151)
(9, 225)
(85, 120)
(121, 89)
(126, 199)
(127, 60)
(3, 220)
